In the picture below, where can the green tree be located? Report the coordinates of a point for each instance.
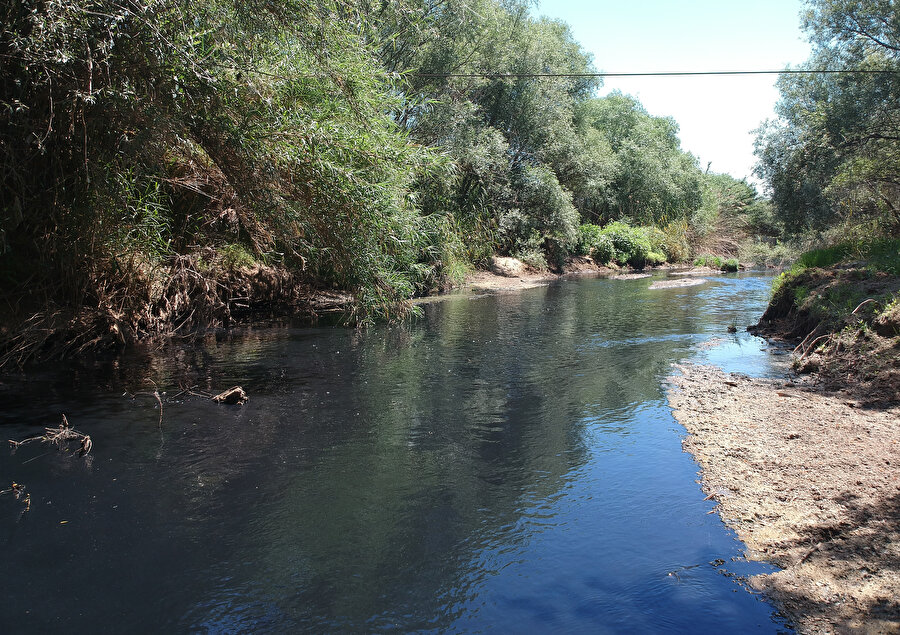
(832, 156)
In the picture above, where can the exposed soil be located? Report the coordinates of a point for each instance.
(845, 324)
(810, 482)
(807, 470)
(509, 276)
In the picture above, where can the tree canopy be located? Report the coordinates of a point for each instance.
(834, 153)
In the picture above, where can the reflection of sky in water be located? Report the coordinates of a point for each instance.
(506, 464)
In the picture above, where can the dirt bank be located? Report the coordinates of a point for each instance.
(512, 275)
(810, 481)
(509, 274)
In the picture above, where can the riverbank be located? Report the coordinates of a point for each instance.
(809, 481)
(510, 274)
(805, 469)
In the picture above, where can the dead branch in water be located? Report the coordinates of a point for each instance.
(18, 492)
(61, 437)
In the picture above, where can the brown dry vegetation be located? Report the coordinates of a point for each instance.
(185, 298)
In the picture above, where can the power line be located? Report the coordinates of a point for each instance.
(652, 74)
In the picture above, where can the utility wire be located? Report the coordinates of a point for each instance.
(654, 74)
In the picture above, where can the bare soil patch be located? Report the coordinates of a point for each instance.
(810, 481)
(509, 274)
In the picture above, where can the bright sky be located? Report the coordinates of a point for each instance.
(716, 114)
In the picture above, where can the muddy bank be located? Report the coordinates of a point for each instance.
(844, 325)
(509, 274)
(810, 481)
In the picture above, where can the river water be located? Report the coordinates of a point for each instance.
(506, 463)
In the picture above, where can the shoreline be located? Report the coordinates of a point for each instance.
(810, 482)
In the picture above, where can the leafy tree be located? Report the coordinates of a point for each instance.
(646, 176)
(832, 156)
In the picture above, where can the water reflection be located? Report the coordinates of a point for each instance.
(506, 463)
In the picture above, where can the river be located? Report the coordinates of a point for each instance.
(506, 463)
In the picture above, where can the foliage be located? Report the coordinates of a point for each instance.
(713, 262)
(832, 156)
(621, 243)
(375, 148)
(642, 173)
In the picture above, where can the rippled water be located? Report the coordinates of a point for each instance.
(506, 464)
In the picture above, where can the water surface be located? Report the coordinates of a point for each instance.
(505, 464)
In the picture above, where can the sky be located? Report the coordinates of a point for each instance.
(716, 114)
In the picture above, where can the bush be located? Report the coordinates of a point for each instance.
(655, 258)
(603, 251)
(731, 265)
(588, 235)
(631, 245)
(675, 242)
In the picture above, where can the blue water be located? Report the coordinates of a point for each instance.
(504, 464)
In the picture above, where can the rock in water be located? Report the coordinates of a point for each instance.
(232, 397)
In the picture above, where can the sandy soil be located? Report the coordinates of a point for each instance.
(811, 482)
(527, 278)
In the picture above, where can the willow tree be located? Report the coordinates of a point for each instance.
(833, 154)
(134, 133)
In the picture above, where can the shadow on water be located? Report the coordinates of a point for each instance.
(507, 463)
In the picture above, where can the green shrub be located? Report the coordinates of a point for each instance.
(588, 235)
(655, 258)
(236, 257)
(713, 262)
(631, 245)
(603, 251)
(731, 265)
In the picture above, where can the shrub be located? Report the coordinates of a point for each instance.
(674, 242)
(588, 235)
(603, 251)
(655, 258)
(731, 265)
(631, 245)
(236, 257)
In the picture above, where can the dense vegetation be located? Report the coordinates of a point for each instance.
(832, 162)
(162, 161)
(832, 159)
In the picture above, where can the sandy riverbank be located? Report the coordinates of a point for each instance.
(811, 482)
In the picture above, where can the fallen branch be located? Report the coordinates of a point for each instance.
(862, 304)
(60, 437)
(18, 492)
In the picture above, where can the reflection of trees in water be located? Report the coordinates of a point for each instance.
(472, 419)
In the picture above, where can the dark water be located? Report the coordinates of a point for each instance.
(506, 464)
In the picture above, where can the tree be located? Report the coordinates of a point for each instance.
(832, 156)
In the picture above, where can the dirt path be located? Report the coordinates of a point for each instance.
(811, 482)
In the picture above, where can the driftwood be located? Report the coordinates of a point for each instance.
(61, 437)
(233, 396)
(18, 492)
